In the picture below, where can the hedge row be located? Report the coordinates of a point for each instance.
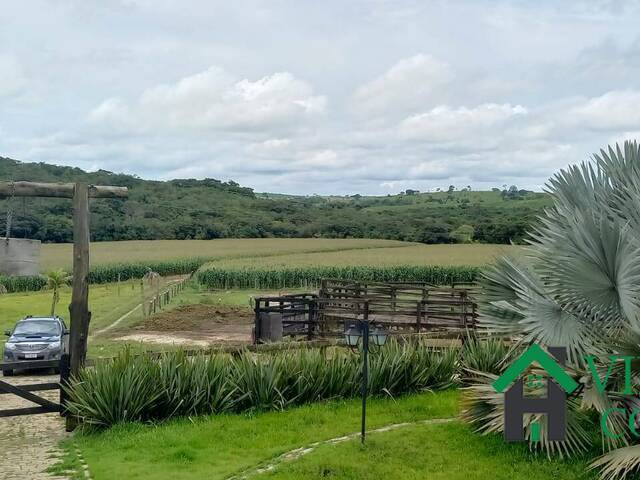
(140, 388)
(305, 277)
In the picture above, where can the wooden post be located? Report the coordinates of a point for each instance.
(79, 308)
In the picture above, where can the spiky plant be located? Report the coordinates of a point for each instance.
(578, 286)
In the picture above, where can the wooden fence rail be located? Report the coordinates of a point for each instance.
(400, 308)
(163, 298)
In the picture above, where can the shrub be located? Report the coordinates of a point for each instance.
(488, 355)
(136, 388)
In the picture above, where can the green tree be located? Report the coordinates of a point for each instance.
(463, 234)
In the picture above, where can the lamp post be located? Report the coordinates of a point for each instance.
(353, 333)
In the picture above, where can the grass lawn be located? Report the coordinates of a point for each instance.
(105, 304)
(220, 446)
(437, 452)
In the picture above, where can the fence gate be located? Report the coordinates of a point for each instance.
(26, 391)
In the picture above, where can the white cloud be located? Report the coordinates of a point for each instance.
(409, 84)
(444, 124)
(12, 79)
(615, 110)
(322, 159)
(273, 146)
(449, 115)
(215, 99)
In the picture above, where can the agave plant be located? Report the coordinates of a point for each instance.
(578, 286)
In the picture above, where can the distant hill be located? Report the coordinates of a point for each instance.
(205, 209)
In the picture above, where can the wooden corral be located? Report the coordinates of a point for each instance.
(399, 308)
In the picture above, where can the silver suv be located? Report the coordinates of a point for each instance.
(35, 338)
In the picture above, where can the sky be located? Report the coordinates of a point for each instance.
(330, 97)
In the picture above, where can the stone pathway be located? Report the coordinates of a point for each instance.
(29, 444)
(295, 454)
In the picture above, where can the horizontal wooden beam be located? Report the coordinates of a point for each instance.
(14, 412)
(36, 387)
(16, 390)
(57, 190)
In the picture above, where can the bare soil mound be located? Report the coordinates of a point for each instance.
(197, 318)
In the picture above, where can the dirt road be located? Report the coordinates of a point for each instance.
(29, 444)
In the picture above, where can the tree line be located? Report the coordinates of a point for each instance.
(209, 208)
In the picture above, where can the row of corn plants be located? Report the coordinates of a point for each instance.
(124, 271)
(310, 276)
(261, 278)
(139, 388)
(110, 273)
(22, 284)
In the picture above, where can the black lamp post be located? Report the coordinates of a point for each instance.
(352, 335)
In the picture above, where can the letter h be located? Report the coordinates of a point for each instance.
(555, 406)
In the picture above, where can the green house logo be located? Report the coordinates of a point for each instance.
(516, 405)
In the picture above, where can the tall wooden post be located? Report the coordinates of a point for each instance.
(79, 307)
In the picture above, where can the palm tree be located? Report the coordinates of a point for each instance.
(55, 280)
(577, 285)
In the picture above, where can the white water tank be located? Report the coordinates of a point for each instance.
(19, 257)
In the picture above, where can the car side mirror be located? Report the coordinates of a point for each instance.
(7, 333)
(65, 331)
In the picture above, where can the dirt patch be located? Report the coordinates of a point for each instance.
(29, 444)
(197, 325)
(194, 318)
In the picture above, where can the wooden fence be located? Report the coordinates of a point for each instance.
(399, 308)
(163, 297)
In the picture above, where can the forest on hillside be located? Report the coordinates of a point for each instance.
(209, 208)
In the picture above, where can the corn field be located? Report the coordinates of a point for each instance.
(22, 284)
(125, 271)
(309, 276)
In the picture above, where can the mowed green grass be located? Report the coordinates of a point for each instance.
(435, 452)
(410, 254)
(220, 446)
(59, 255)
(105, 303)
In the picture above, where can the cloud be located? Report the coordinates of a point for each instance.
(408, 84)
(615, 110)
(12, 79)
(215, 100)
(444, 124)
(273, 146)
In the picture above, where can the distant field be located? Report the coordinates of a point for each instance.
(59, 255)
(410, 254)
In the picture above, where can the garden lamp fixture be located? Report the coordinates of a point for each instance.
(379, 336)
(352, 335)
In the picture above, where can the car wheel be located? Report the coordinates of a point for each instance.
(7, 373)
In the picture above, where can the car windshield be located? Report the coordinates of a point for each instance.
(45, 328)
